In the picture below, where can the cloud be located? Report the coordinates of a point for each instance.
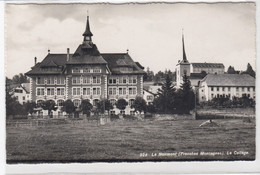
(222, 32)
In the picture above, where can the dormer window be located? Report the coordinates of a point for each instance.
(96, 70)
(86, 70)
(76, 70)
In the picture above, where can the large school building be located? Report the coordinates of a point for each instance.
(86, 74)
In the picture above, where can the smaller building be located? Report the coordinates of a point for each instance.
(226, 85)
(148, 96)
(21, 93)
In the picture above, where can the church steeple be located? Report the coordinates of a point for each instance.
(87, 34)
(184, 58)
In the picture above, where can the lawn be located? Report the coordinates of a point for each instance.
(132, 140)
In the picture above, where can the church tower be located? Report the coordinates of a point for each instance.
(183, 66)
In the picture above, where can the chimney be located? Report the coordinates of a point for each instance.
(68, 54)
(35, 60)
(49, 51)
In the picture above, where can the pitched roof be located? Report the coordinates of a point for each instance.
(208, 65)
(197, 75)
(86, 54)
(229, 80)
(49, 61)
(26, 87)
(116, 60)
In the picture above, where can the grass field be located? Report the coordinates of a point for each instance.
(132, 140)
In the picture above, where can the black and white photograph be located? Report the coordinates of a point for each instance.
(130, 82)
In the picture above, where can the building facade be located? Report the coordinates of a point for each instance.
(86, 74)
(21, 93)
(226, 85)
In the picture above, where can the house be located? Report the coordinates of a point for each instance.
(226, 85)
(195, 71)
(21, 93)
(86, 74)
(148, 96)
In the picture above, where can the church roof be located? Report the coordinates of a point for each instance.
(208, 65)
(229, 80)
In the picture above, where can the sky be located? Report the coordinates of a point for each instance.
(214, 33)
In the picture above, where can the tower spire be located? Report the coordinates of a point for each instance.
(184, 58)
(87, 34)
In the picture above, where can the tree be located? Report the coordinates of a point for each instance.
(250, 70)
(104, 105)
(13, 107)
(186, 96)
(86, 107)
(139, 105)
(19, 79)
(231, 70)
(121, 104)
(29, 107)
(49, 105)
(165, 100)
(68, 107)
(151, 108)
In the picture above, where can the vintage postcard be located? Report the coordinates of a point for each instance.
(130, 82)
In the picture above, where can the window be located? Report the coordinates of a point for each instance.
(95, 102)
(228, 88)
(60, 91)
(248, 95)
(86, 91)
(132, 112)
(50, 91)
(96, 80)
(75, 91)
(86, 70)
(76, 70)
(212, 88)
(86, 80)
(113, 102)
(76, 103)
(212, 95)
(60, 80)
(60, 102)
(254, 89)
(75, 80)
(243, 89)
(237, 88)
(131, 102)
(112, 112)
(40, 91)
(217, 95)
(122, 112)
(39, 80)
(23, 97)
(132, 91)
(223, 88)
(248, 89)
(50, 80)
(96, 91)
(122, 91)
(149, 97)
(122, 80)
(112, 81)
(217, 88)
(112, 91)
(96, 70)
